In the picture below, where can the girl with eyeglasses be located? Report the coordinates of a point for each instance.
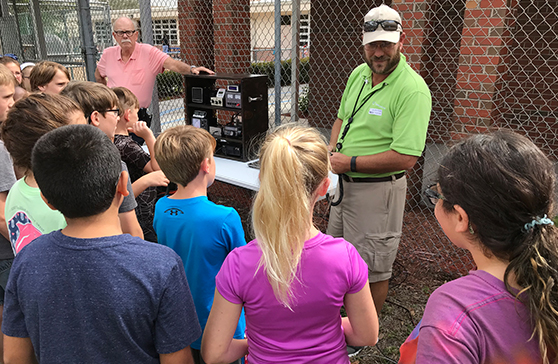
(292, 279)
(494, 197)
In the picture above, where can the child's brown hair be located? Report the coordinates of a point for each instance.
(31, 118)
(126, 99)
(91, 96)
(44, 72)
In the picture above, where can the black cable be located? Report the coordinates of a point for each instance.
(405, 308)
(340, 182)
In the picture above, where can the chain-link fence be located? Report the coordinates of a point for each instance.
(489, 64)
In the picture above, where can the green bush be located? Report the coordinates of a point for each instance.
(268, 68)
(170, 84)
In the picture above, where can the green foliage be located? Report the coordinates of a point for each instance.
(123, 4)
(268, 68)
(303, 100)
(170, 84)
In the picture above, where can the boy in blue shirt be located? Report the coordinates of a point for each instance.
(88, 293)
(201, 232)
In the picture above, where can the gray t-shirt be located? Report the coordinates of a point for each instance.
(129, 203)
(7, 180)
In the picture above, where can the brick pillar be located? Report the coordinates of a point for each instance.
(483, 55)
(195, 23)
(414, 17)
(232, 36)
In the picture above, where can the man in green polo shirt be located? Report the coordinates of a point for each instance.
(379, 133)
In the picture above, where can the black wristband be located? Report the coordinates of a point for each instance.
(353, 163)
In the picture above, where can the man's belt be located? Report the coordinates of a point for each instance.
(393, 177)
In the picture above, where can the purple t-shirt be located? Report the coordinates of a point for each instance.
(473, 319)
(329, 269)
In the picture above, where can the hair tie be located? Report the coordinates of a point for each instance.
(538, 221)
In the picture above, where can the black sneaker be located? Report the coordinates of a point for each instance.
(354, 350)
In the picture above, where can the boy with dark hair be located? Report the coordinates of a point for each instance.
(100, 106)
(145, 173)
(201, 232)
(88, 293)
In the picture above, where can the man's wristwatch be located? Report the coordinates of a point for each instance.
(353, 163)
(191, 68)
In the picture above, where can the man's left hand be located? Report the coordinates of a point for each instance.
(340, 163)
(196, 70)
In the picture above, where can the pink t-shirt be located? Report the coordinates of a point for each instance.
(311, 333)
(473, 320)
(138, 74)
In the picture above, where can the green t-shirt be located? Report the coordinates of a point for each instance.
(28, 216)
(395, 117)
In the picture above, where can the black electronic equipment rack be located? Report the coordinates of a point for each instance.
(237, 118)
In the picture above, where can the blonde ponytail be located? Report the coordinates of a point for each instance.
(294, 161)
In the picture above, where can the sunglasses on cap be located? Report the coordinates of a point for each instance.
(387, 25)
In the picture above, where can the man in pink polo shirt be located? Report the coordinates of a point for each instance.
(136, 65)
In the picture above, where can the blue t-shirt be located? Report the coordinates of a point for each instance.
(114, 299)
(202, 233)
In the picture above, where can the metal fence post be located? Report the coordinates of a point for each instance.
(147, 37)
(295, 59)
(40, 43)
(89, 50)
(277, 62)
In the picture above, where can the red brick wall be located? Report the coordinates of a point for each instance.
(232, 35)
(195, 22)
(483, 54)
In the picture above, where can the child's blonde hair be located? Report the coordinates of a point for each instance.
(179, 151)
(294, 162)
(6, 76)
(126, 99)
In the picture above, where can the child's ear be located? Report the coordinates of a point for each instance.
(122, 185)
(126, 115)
(205, 165)
(95, 118)
(323, 187)
(461, 219)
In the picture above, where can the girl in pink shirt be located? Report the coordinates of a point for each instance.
(291, 280)
(494, 196)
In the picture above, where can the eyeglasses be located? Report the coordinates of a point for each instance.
(432, 195)
(115, 111)
(387, 25)
(383, 44)
(120, 33)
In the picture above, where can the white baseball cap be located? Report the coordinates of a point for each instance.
(382, 12)
(26, 64)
